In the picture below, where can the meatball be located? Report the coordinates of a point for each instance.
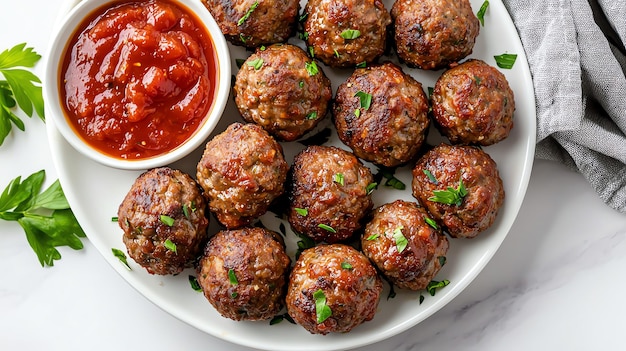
(243, 273)
(392, 128)
(281, 89)
(461, 188)
(252, 23)
(164, 222)
(403, 245)
(344, 33)
(473, 104)
(338, 277)
(328, 193)
(242, 171)
(432, 34)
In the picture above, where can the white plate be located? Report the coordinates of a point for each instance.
(95, 192)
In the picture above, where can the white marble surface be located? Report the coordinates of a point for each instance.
(557, 282)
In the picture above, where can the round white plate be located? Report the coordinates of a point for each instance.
(95, 192)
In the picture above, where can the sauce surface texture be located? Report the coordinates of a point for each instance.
(138, 78)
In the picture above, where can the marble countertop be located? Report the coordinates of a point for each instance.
(556, 283)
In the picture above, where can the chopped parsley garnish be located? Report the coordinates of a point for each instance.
(346, 265)
(311, 51)
(361, 65)
(322, 310)
(421, 298)
(401, 241)
(170, 245)
(193, 282)
(338, 178)
(430, 176)
(350, 34)
(311, 67)
(303, 36)
(481, 13)
(370, 188)
(115, 219)
(326, 228)
(365, 99)
(304, 243)
(167, 220)
(505, 61)
(450, 196)
(186, 211)
(431, 222)
(232, 278)
(434, 285)
(442, 260)
(248, 13)
(257, 63)
(311, 115)
(121, 256)
(357, 112)
(373, 237)
(392, 181)
(279, 318)
(302, 211)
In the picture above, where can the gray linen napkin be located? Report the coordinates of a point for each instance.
(576, 53)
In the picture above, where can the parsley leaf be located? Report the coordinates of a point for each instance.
(257, 63)
(505, 61)
(350, 34)
(450, 196)
(20, 87)
(434, 285)
(46, 217)
(400, 239)
(311, 67)
(322, 310)
(121, 256)
(248, 13)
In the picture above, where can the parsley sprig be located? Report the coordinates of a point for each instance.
(20, 88)
(45, 216)
(450, 196)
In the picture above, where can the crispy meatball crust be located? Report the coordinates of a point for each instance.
(432, 34)
(392, 130)
(158, 196)
(330, 184)
(243, 273)
(326, 21)
(281, 89)
(473, 104)
(419, 261)
(348, 280)
(241, 171)
(267, 22)
(485, 193)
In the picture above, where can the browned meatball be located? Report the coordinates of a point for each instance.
(253, 23)
(432, 34)
(342, 276)
(243, 273)
(281, 89)
(242, 171)
(461, 188)
(391, 130)
(473, 104)
(164, 222)
(344, 33)
(328, 193)
(404, 247)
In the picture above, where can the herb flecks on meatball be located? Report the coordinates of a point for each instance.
(328, 193)
(381, 113)
(433, 34)
(243, 273)
(284, 91)
(164, 222)
(461, 188)
(332, 289)
(241, 171)
(473, 104)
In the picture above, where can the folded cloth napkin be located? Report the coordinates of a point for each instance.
(576, 54)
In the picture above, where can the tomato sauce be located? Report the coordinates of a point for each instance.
(138, 78)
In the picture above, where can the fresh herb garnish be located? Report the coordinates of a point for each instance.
(20, 87)
(186, 211)
(121, 256)
(505, 61)
(193, 282)
(361, 65)
(23, 202)
(303, 36)
(431, 222)
(311, 115)
(434, 285)
(392, 181)
(170, 245)
(373, 237)
(257, 63)
(442, 260)
(302, 211)
(115, 219)
(311, 67)
(279, 318)
(322, 310)
(450, 196)
(401, 241)
(346, 265)
(430, 176)
(370, 188)
(421, 298)
(365, 99)
(248, 13)
(167, 220)
(350, 34)
(304, 243)
(232, 278)
(481, 13)
(326, 227)
(338, 178)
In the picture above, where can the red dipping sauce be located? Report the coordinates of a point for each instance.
(138, 78)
